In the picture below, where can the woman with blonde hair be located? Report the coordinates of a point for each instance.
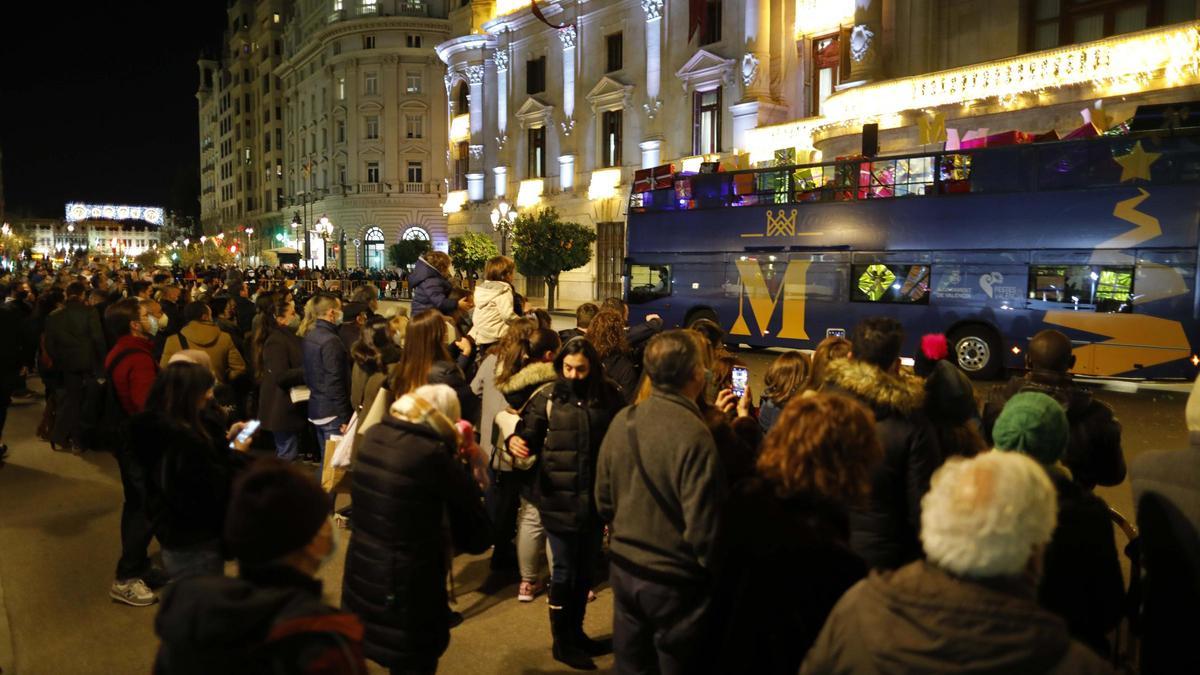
(427, 360)
(791, 518)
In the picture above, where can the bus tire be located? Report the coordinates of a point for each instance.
(976, 351)
(697, 315)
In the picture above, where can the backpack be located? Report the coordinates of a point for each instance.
(110, 432)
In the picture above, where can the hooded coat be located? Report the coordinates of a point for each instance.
(406, 480)
(493, 309)
(430, 290)
(269, 621)
(885, 532)
(227, 361)
(921, 620)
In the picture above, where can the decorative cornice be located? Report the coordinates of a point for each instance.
(474, 74)
(653, 9)
(567, 36)
(501, 59)
(452, 48)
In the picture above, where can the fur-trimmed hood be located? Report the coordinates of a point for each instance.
(533, 375)
(884, 392)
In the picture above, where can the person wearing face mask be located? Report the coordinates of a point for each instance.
(279, 359)
(564, 426)
(327, 371)
(131, 369)
(190, 462)
(270, 619)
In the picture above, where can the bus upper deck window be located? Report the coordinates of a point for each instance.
(649, 282)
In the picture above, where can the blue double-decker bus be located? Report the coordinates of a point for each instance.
(1097, 238)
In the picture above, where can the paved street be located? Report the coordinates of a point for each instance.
(59, 541)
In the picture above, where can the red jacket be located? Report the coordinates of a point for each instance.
(135, 374)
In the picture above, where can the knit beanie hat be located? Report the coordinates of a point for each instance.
(1035, 424)
(275, 509)
(949, 396)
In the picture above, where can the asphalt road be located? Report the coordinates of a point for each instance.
(59, 518)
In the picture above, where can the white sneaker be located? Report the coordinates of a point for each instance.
(132, 592)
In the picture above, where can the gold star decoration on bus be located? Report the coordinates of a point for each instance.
(1137, 163)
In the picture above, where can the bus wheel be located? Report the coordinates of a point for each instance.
(698, 315)
(976, 350)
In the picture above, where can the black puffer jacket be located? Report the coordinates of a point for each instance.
(621, 369)
(1094, 453)
(451, 375)
(885, 532)
(567, 440)
(405, 478)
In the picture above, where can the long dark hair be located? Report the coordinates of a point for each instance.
(424, 345)
(367, 352)
(178, 391)
(266, 325)
(595, 378)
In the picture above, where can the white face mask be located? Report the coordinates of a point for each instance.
(162, 323)
(150, 325)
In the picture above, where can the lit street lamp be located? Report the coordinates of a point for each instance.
(502, 219)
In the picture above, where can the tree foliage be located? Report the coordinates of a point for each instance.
(147, 259)
(470, 252)
(208, 253)
(406, 252)
(545, 246)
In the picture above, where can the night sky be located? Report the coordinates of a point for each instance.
(97, 102)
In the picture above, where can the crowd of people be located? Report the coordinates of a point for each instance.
(858, 517)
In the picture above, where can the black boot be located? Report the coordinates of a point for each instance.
(586, 644)
(561, 616)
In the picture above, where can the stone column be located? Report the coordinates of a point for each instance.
(866, 42)
(756, 61)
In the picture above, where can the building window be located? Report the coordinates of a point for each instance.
(1063, 22)
(412, 41)
(537, 152)
(412, 82)
(373, 127)
(535, 75)
(267, 142)
(372, 172)
(368, 7)
(275, 18)
(374, 246)
(826, 61)
(461, 164)
(339, 131)
(341, 89)
(462, 100)
(337, 5)
(414, 126)
(615, 46)
(611, 140)
(337, 47)
(341, 174)
(706, 122)
(371, 84)
(368, 42)
(712, 28)
(415, 173)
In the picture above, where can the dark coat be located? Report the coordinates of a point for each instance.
(189, 477)
(327, 372)
(74, 338)
(450, 374)
(1166, 491)
(244, 311)
(621, 369)
(430, 290)
(768, 414)
(885, 532)
(405, 478)
(1094, 454)
(283, 368)
(919, 620)
(1082, 581)
(271, 620)
(768, 626)
(567, 442)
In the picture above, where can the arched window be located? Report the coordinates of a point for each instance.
(415, 232)
(375, 247)
(461, 105)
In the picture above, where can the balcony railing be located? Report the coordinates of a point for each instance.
(416, 188)
(370, 188)
(337, 15)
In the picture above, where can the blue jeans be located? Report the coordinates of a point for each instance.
(200, 560)
(324, 431)
(287, 445)
(575, 557)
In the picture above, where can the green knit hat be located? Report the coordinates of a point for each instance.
(1035, 424)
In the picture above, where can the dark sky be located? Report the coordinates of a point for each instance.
(97, 102)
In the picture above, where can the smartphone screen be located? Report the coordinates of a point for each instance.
(740, 377)
(246, 432)
(836, 332)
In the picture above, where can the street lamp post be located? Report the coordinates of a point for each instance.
(502, 219)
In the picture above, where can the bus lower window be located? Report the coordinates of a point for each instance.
(901, 284)
(1104, 288)
(649, 282)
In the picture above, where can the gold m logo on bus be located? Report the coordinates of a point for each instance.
(763, 304)
(780, 225)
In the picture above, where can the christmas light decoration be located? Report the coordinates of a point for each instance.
(454, 201)
(604, 183)
(530, 192)
(816, 17)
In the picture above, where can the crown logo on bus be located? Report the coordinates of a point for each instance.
(780, 225)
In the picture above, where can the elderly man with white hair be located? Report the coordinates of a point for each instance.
(971, 606)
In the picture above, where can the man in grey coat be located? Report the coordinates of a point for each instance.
(1166, 493)
(661, 486)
